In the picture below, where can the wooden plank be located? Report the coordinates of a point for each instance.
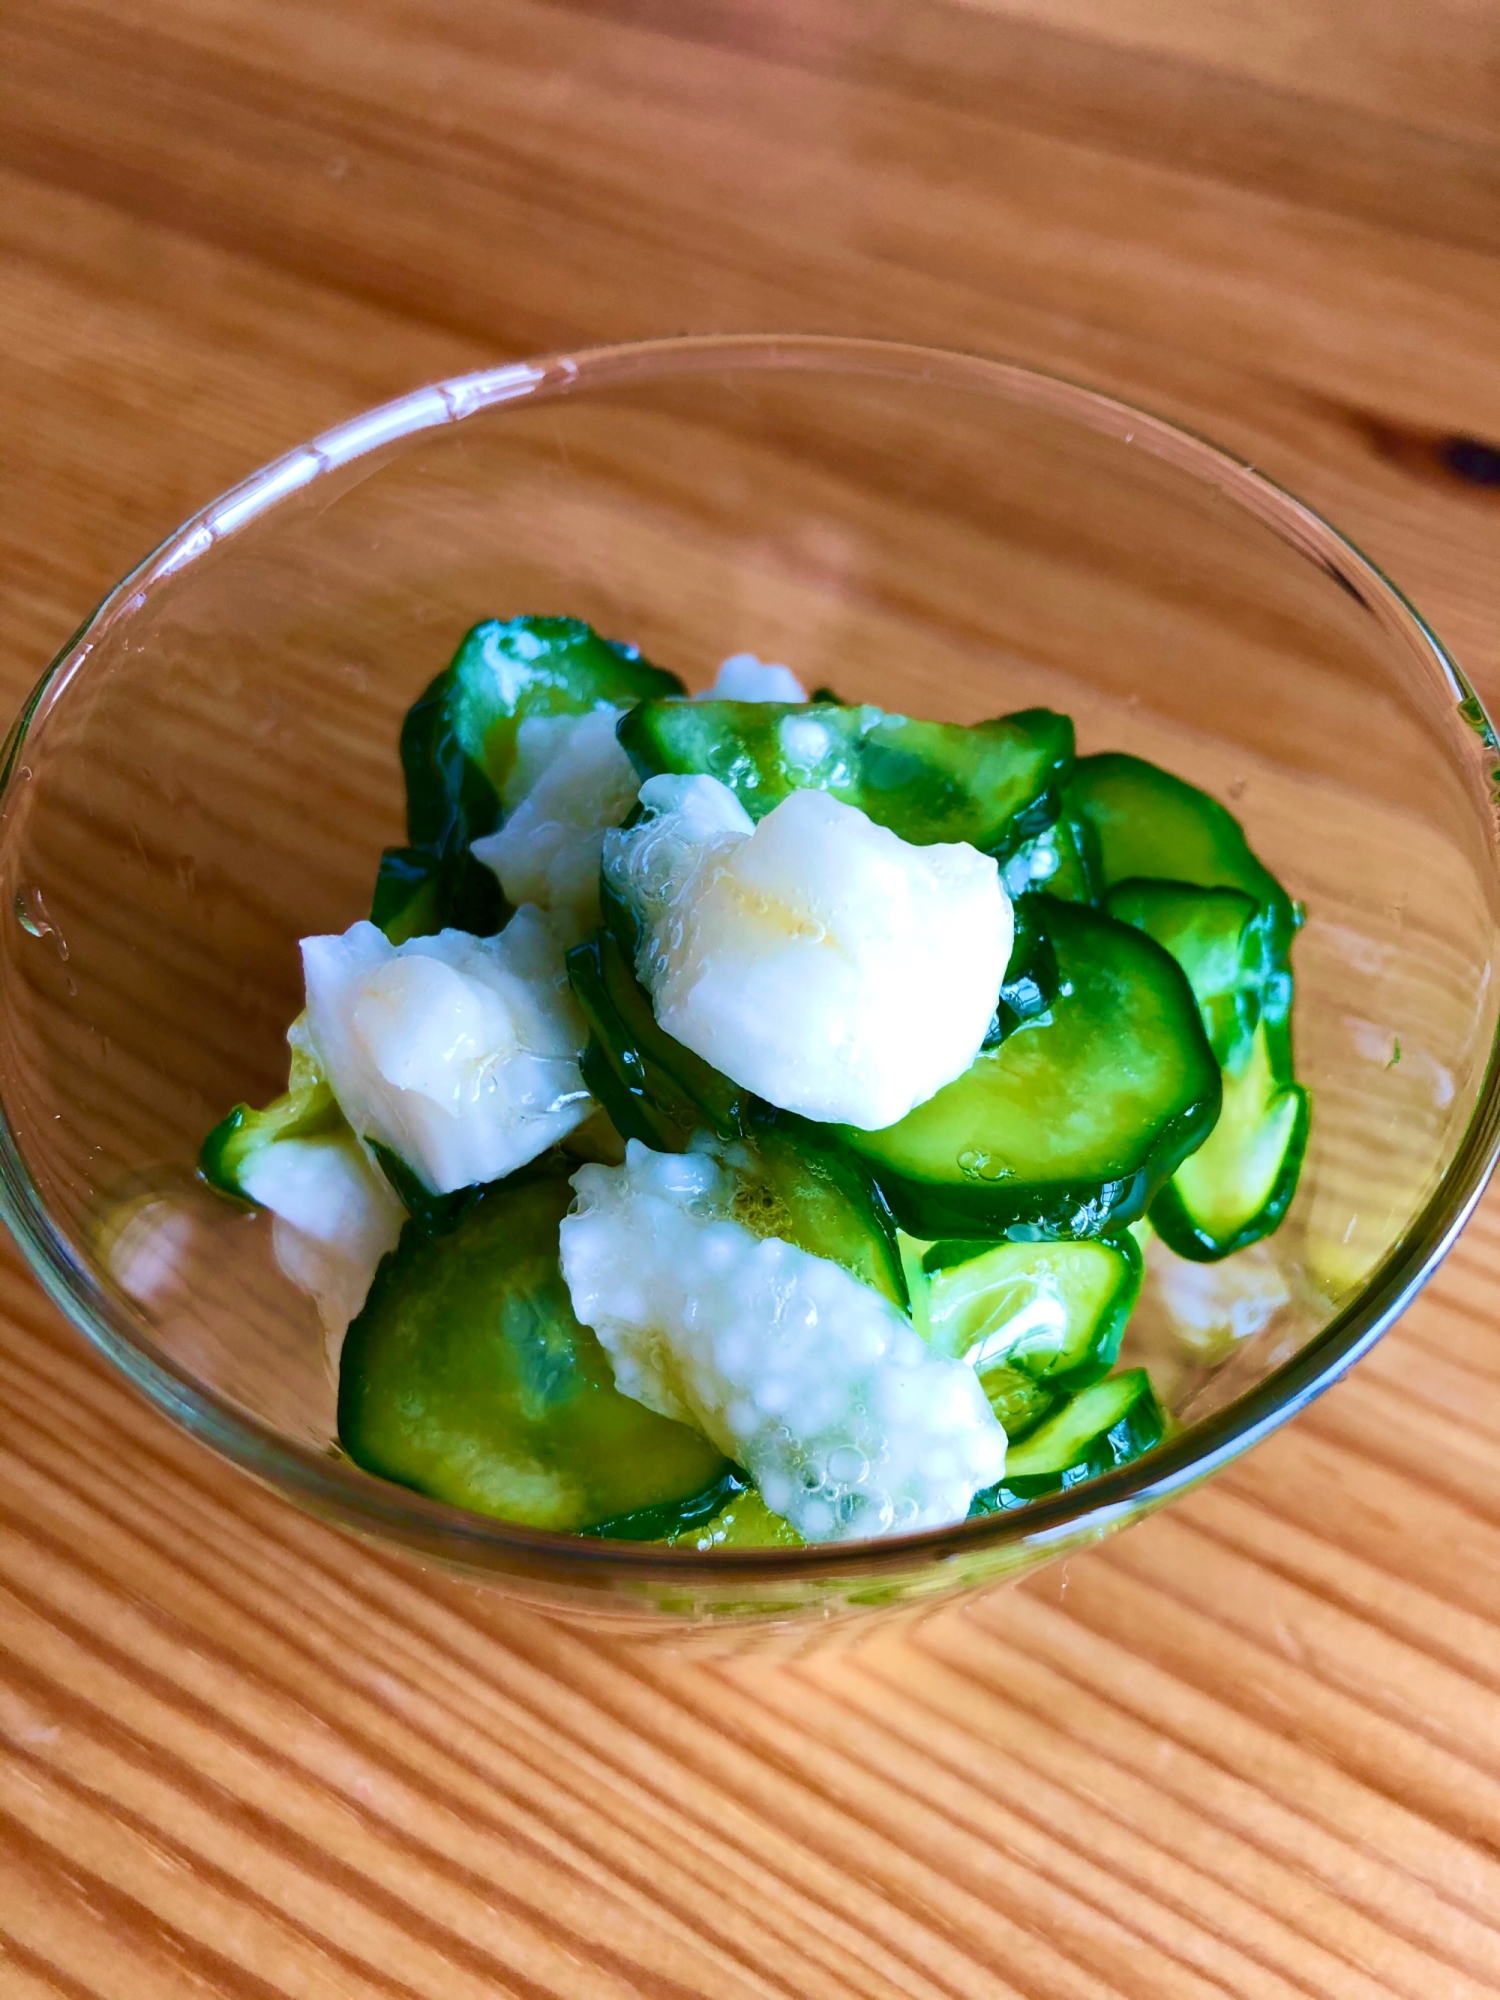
(1247, 1749)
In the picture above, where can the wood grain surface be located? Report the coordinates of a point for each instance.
(1250, 1748)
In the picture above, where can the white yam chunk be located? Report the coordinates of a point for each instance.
(459, 1053)
(570, 781)
(817, 958)
(849, 1423)
(335, 1218)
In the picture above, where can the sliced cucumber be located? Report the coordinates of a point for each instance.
(1030, 984)
(1237, 1187)
(991, 783)
(1148, 823)
(1053, 1311)
(671, 1520)
(1062, 860)
(1218, 938)
(1096, 1430)
(467, 1377)
(1069, 1126)
(1019, 1400)
(458, 745)
(1239, 1184)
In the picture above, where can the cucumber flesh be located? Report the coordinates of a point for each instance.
(1096, 1430)
(1217, 937)
(1053, 1311)
(1018, 1399)
(458, 746)
(1062, 861)
(1236, 1188)
(467, 1377)
(1069, 1126)
(990, 783)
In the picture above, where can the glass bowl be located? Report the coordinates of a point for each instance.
(208, 772)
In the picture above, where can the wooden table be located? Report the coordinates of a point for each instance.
(1251, 1748)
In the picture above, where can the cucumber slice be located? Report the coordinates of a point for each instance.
(1072, 1123)
(1218, 938)
(792, 1183)
(467, 1377)
(1030, 984)
(991, 784)
(1063, 861)
(1019, 1400)
(1237, 1187)
(458, 745)
(1053, 1311)
(1096, 1430)
(674, 1519)
(1148, 823)
(1239, 1184)
(238, 1141)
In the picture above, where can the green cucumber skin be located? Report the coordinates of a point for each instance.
(458, 744)
(654, 1089)
(1146, 822)
(1095, 1346)
(245, 1132)
(947, 1202)
(991, 783)
(1176, 1227)
(467, 1377)
(672, 1517)
(1070, 1447)
(1222, 940)
(1030, 983)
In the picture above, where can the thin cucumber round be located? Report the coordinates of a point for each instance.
(1054, 1311)
(458, 745)
(1239, 1184)
(1072, 1123)
(467, 1377)
(1146, 822)
(989, 783)
(1095, 1431)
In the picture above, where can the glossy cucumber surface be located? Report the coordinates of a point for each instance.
(467, 1377)
(991, 784)
(1146, 822)
(1237, 1187)
(1094, 1431)
(1067, 1127)
(1053, 1311)
(1215, 936)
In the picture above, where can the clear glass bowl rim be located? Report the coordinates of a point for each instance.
(332, 1486)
